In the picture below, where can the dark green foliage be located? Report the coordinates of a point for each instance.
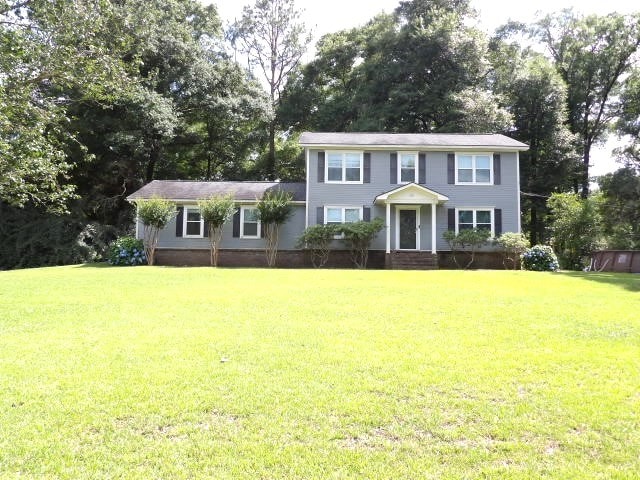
(358, 236)
(539, 258)
(576, 228)
(317, 239)
(32, 238)
(127, 251)
(620, 208)
(467, 241)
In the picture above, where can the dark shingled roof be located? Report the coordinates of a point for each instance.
(186, 190)
(447, 140)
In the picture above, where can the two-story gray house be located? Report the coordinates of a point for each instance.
(420, 184)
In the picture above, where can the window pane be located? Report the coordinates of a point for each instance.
(353, 175)
(193, 216)
(335, 160)
(250, 229)
(465, 175)
(465, 216)
(334, 174)
(250, 214)
(465, 161)
(465, 226)
(334, 215)
(351, 215)
(352, 160)
(407, 161)
(483, 162)
(484, 226)
(193, 228)
(483, 216)
(407, 175)
(483, 176)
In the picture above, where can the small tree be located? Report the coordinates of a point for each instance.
(576, 228)
(467, 241)
(513, 245)
(358, 237)
(274, 209)
(154, 214)
(318, 238)
(216, 211)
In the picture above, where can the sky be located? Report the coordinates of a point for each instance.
(326, 16)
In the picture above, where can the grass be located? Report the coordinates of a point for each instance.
(154, 372)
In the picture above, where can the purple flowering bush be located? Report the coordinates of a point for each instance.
(127, 251)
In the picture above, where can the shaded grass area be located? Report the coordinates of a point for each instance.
(194, 373)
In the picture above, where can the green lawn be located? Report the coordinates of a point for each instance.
(154, 372)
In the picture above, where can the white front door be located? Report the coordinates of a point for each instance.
(407, 228)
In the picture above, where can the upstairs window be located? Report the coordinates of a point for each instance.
(473, 169)
(193, 225)
(407, 167)
(344, 167)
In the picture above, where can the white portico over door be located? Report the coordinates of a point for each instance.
(408, 200)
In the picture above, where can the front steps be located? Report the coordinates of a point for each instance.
(411, 260)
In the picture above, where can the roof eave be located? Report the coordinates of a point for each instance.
(428, 148)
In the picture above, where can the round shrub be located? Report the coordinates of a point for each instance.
(539, 258)
(127, 251)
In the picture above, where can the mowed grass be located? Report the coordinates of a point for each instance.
(154, 372)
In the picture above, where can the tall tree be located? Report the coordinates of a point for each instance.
(621, 208)
(592, 53)
(274, 39)
(421, 69)
(535, 95)
(629, 122)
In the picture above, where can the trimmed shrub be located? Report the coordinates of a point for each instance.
(539, 258)
(513, 245)
(317, 239)
(127, 251)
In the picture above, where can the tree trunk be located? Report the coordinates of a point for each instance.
(533, 226)
(154, 156)
(585, 173)
(271, 159)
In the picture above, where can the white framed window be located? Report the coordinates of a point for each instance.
(334, 215)
(480, 218)
(192, 222)
(407, 167)
(249, 222)
(474, 169)
(343, 167)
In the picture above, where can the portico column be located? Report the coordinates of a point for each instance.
(388, 250)
(433, 227)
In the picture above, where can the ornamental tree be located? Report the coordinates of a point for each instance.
(317, 239)
(467, 241)
(215, 212)
(358, 237)
(154, 214)
(513, 245)
(273, 210)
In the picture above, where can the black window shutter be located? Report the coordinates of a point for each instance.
(366, 168)
(451, 168)
(179, 220)
(205, 233)
(422, 168)
(261, 230)
(393, 168)
(320, 167)
(497, 220)
(366, 214)
(236, 223)
(496, 169)
(319, 215)
(451, 217)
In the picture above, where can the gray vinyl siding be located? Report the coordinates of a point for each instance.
(289, 233)
(503, 196)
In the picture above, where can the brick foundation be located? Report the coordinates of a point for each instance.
(301, 259)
